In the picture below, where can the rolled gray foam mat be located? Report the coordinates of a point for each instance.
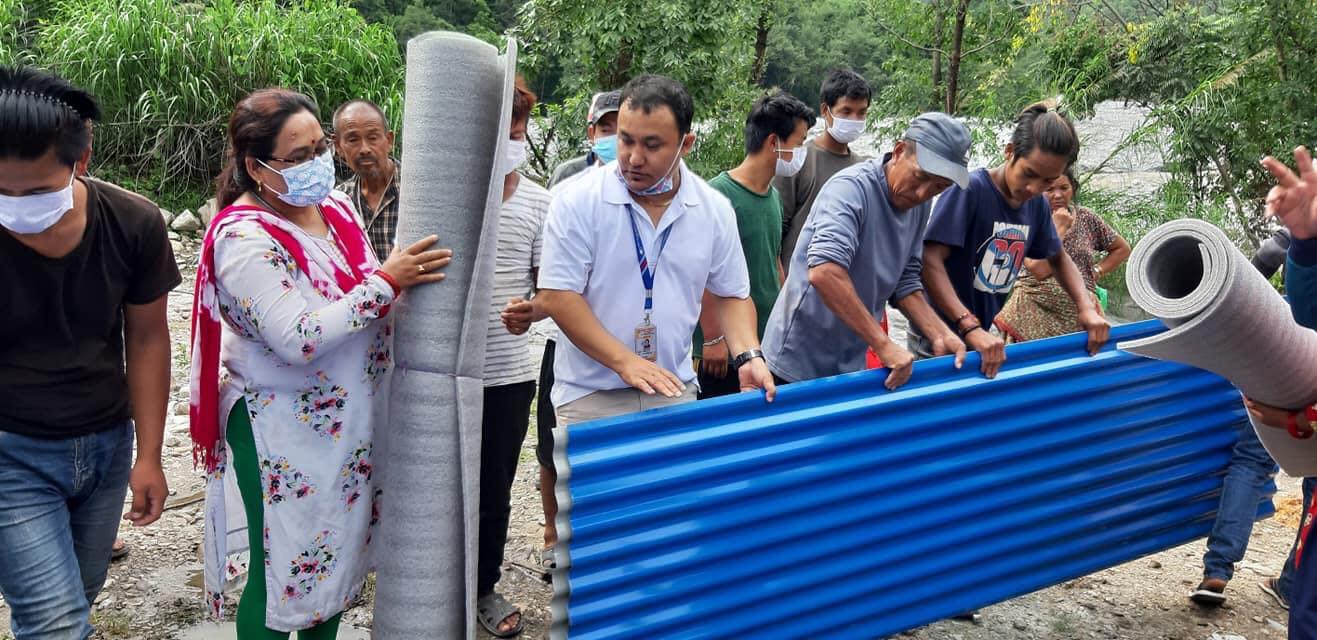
(455, 124)
(1223, 316)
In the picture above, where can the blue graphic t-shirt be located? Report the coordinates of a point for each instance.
(989, 241)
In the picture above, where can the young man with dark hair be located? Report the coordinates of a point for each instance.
(363, 139)
(84, 357)
(775, 134)
(980, 234)
(845, 99)
(628, 253)
(861, 250)
(509, 376)
(601, 131)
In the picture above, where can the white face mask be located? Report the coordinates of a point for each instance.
(27, 215)
(516, 155)
(785, 168)
(845, 130)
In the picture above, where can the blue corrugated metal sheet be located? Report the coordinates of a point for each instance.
(845, 508)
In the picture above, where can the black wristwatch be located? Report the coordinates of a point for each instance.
(746, 356)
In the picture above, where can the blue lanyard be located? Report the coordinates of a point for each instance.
(646, 272)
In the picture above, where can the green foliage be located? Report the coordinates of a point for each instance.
(168, 74)
(409, 18)
(708, 46)
(1083, 58)
(720, 140)
(811, 38)
(1229, 87)
(16, 19)
(994, 78)
(10, 20)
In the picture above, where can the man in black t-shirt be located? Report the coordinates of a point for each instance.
(85, 269)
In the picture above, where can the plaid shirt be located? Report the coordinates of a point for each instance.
(381, 225)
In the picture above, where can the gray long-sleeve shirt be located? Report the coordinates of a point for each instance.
(853, 225)
(1271, 255)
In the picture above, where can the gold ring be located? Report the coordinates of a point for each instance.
(420, 268)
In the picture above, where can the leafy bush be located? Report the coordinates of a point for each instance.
(168, 74)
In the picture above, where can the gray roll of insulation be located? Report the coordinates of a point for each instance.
(1223, 316)
(455, 124)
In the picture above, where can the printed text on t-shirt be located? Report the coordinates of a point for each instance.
(1003, 253)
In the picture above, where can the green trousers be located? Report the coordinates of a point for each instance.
(251, 609)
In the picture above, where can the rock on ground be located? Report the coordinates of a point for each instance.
(207, 211)
(186, 222)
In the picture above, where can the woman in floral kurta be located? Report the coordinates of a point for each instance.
(291, 353)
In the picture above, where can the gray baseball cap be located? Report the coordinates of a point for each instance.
(941, 146)
(604, 103)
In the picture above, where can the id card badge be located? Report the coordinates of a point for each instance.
(647, 340)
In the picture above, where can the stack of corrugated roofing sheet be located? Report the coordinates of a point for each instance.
(844, 508)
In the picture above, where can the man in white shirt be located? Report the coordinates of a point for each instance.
(628, 251)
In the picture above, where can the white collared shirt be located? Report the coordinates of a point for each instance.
(589, 248)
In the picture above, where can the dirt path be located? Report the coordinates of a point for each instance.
(155, 592)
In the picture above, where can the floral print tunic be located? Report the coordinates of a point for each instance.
(311, 362)
(1041, 308)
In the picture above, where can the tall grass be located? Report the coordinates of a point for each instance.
(13, 25)
(167, 74)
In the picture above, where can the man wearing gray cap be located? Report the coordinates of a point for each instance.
(861, 248)
(600, 132)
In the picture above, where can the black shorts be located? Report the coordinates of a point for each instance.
(545, 419)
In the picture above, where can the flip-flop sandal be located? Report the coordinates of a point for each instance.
(1268, 587)
(119, 551)
(1207, 596)
(492, 610)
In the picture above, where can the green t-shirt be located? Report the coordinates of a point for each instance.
(759, 221)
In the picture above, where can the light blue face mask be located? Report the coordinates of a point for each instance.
(308, 183)
(605, 148)
(664, 185)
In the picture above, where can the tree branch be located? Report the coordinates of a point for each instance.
(969, 52)
(908, 41)
(1116, 14)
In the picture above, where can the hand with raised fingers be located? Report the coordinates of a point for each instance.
(1294, 198)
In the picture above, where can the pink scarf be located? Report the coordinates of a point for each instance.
(204, 379)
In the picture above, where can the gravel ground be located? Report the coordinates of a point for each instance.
(155, 592)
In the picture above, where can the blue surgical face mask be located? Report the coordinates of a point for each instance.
(605, 148)
(308, 183)
(27, 215)
(664, 185)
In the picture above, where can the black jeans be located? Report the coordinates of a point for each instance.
(713, 387)
(503, 428)
(545, 419)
